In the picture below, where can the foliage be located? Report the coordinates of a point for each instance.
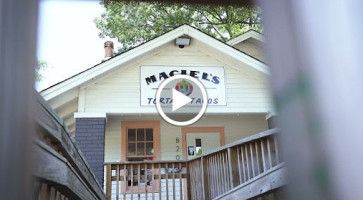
(133, 23)
(41, 65)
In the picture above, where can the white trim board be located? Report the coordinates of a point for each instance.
(90, 115)
(249, 34)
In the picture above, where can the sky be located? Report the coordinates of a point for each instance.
(68, 39)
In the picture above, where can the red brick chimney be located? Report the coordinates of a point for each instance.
(108, 50)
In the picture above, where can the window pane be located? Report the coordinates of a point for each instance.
(149, 134)
(131, 150)
(198, 142)
(131, 135)
(140, 148)
(140, 135)
(149, 148)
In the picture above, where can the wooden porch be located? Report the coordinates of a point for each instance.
(248, 168)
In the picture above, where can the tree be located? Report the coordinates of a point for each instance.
(41, 65)
(133, 23)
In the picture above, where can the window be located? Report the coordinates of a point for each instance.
(140, 144)
(198, 147)
(140, 141)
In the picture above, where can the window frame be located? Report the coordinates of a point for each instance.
(137, 141)
(125, 125)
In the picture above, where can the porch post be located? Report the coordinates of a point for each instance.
(205, 177)
(90, 138)
(234, 173)
(189, 192)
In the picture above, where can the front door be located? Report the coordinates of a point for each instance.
(199, 143)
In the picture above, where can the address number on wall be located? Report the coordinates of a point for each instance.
(177, 157)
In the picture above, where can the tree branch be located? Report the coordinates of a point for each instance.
(210, 23)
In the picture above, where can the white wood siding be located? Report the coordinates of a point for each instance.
(119, 91)
(252, 47)
(235, 127)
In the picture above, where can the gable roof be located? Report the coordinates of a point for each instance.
(245, 36)
(101, 68)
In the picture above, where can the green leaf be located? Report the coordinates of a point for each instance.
(135, 22)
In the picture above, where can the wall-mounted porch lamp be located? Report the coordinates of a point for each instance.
(182, 41)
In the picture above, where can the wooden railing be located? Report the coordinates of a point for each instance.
(205, 177)
(61, 172)
(227, 167)
(146, 180)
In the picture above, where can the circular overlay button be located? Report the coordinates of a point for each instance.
(181, 100)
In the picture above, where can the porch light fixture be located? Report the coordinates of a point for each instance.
(182, 41)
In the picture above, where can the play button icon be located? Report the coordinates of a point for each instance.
(181, 100)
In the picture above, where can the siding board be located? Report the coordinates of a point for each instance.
(120, 91)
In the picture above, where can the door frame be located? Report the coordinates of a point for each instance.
(186, 130)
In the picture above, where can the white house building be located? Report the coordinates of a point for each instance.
(109, 111)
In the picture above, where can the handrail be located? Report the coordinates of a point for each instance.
(240, 142)
(61, 171)
(207, 176)
(148, 161)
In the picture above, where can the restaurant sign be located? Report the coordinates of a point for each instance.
(212, 77)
